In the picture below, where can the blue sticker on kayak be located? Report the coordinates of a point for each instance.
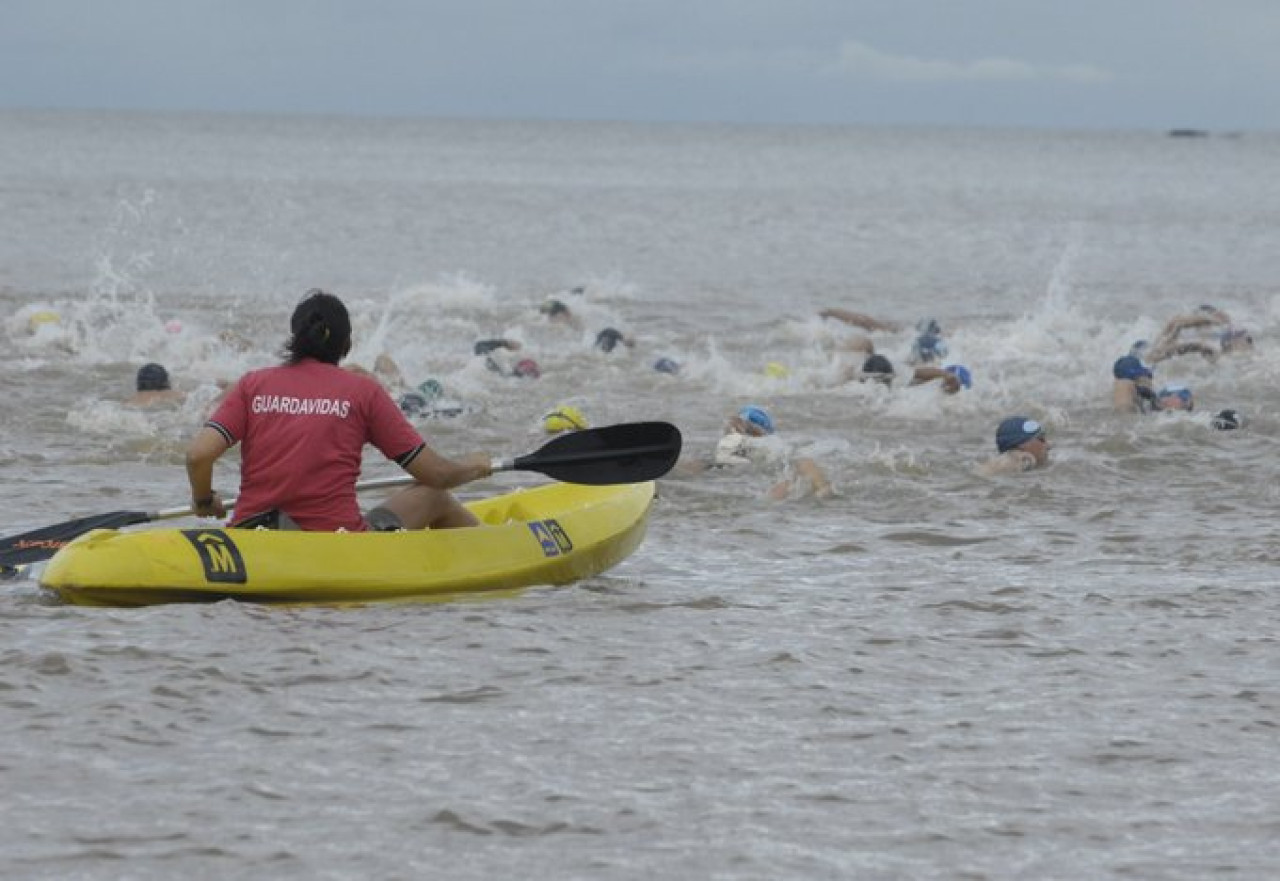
(554, 540)
(218, 555)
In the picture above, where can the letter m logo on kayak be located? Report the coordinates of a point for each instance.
(218, 555)
(554, 540)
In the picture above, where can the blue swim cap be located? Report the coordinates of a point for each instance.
(1130, 367)
(961, 373)
(1235, 335)
(1015, 431)
(666, 365)
(929, 347)
(758, 417)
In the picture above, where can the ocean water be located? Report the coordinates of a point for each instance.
(933, 674)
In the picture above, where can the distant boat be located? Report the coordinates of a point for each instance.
(1188, 133)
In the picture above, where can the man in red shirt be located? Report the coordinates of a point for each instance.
(302, 427)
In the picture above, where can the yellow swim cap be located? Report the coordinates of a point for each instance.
(46, 316)
(564, 419)
(776, 370)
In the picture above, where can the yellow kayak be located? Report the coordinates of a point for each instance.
(551, 534)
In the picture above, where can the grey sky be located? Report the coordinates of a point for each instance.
(1082, 64)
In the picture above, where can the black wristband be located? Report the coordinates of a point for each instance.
(203, 503)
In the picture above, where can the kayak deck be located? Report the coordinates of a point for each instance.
(552, 534)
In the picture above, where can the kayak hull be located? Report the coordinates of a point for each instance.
(552, 534)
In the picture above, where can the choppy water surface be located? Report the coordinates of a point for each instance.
(1068, 673)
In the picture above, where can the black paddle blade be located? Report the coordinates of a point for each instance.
(630, 452)
(43, 543)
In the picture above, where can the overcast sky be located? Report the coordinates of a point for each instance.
(1152, 64)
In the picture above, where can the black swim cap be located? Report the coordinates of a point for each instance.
(878, 364)
(1227, 420)
(152, 378)
(412, 404)
(608, 339)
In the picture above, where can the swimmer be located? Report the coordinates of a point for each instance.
(558, 313)
(1175, 397)
(1229, 339)
(667, 365)
(607, 340)
(928, 348)
(1021, 445)
(1227, 420)
(485, 347)
(743, 445)
(428, 401)
(563, 419)
(1132, 392)
(153, 388)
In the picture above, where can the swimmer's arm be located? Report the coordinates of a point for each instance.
(950, 382)
(1146, 396)
(1179, 323)
(866, 322)
(1184, 349)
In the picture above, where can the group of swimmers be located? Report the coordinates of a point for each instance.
(1021, 442)
(504, 356)
(749, 436)
(1134, 389)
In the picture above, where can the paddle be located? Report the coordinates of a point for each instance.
(630, 452)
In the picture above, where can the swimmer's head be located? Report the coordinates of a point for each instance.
(412, 404)
(879, 368)
(928, 348)
(430, 389)
(1227, 420)
(960, 372)
(41, 318)
(564, 418)
(527, 368)
(758, 417)
(607, 340)
(1175, 397)
(666, 365)
(776, 370)
(1016, 431)
(1130, 367)
(929, 326)
(1235, 339)
(552, 308)
(152, 378)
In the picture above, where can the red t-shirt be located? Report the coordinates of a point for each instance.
(302, 429)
